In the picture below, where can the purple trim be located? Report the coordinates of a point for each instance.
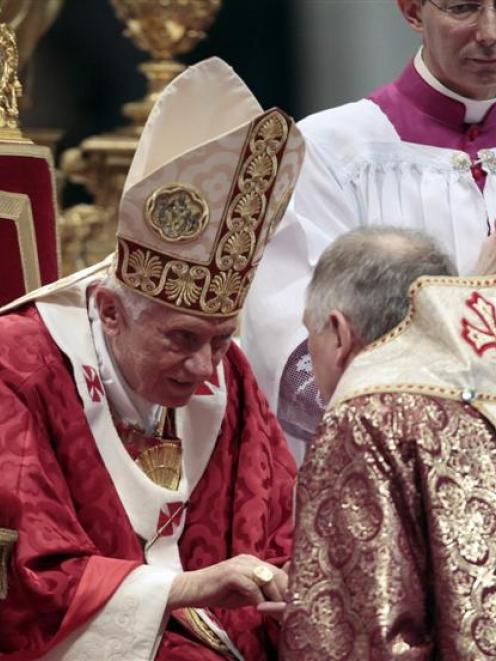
(422, 115)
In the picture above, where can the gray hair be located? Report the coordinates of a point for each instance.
(134, 303)
(366, 274)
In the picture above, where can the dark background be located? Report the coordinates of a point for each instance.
(84, 68)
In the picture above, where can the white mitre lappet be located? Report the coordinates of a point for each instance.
(211, 177)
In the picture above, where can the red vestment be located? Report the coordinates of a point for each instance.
(76, 544)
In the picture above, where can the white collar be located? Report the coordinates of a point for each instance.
(475, 110)
(127, 404)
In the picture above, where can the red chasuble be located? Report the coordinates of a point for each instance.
(76, 544)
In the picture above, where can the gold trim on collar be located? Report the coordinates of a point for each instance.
(442, 392)
(421, 283)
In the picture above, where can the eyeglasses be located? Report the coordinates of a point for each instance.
(467, 13)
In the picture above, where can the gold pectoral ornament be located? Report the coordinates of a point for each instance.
(161, 460)
(162, 463)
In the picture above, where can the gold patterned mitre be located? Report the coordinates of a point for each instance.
(211, 177)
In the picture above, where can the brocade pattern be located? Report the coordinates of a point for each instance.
(71, 511)
(395, 547)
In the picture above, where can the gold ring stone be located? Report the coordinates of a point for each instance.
(262, 575)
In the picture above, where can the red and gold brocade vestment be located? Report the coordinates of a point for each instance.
(395, 545)
(86, 508)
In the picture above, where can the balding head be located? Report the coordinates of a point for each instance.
(359, 291)
(366, 275)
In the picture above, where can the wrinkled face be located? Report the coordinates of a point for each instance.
(324, 354)
(459, 54)
(165, 355)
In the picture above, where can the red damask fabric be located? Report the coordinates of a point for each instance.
(30, 175)
(71, 512)
(395, 541)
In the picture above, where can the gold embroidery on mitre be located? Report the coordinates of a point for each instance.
(219, 288)
(162, 464)
(177, 212)
(145, 267)
(226, 288)
(184, 290)
(8, 537)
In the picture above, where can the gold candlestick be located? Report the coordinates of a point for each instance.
(164, 29)
(10, 87)
(29, 19)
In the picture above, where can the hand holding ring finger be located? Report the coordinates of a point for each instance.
(262, 575)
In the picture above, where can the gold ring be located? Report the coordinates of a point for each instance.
(262, 575)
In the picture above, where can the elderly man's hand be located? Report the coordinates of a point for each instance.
(486, 263)
(229, 584)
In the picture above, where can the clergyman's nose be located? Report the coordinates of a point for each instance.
(200, 364)
(486, 27)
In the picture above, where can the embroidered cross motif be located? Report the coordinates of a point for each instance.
(480, 337)
(93, 383)
(170, 519)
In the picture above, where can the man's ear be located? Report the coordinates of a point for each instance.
(347, 343)
(412, 11)
(110, 310)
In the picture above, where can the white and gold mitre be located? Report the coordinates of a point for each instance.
(211, 177)
(445, 347)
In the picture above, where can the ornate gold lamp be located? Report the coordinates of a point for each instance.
(10, 87)
(164, 28)
(28, 210)
(29, 19)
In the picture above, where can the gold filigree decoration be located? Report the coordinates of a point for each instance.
(10, 87)
(177, 212)
(145, 268)
(225, 287)
(165, 28)
(250, 207)
(237, 246)
(219, 288)
(184, 289)
(258, 173)
(272, 133)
